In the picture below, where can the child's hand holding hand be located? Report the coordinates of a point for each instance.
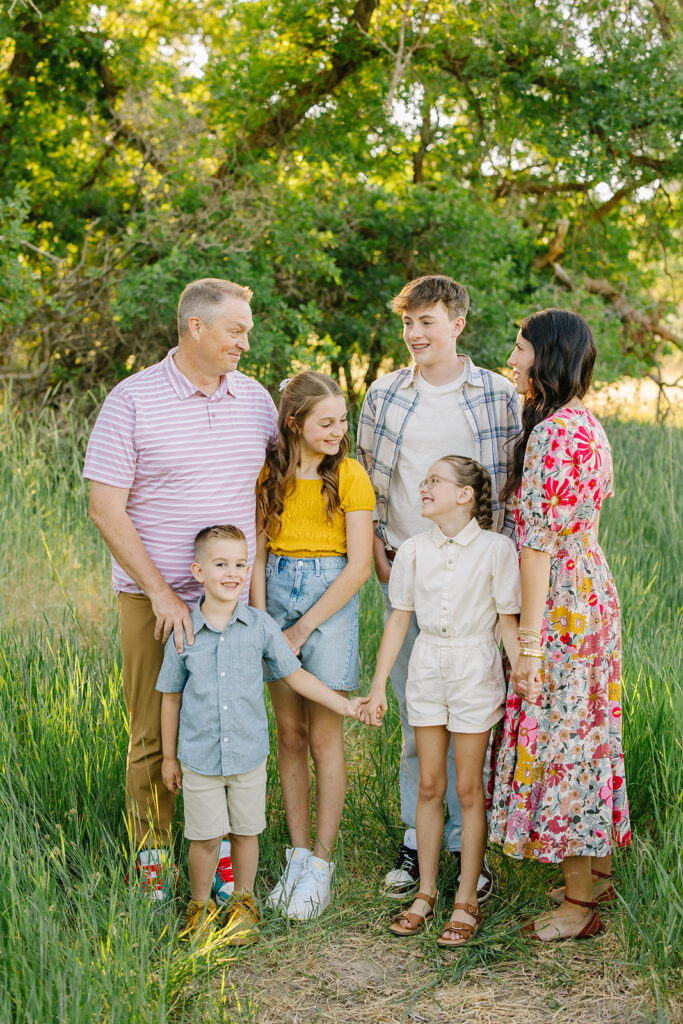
(525, 679)
(171, 774)
(375, 708)
(356, 709)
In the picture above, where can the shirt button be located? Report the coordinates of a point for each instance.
(222, 673)
(225, 739)
(225, 707)
(222, 639)
(443, 629)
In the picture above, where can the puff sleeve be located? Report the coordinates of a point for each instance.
(549, 495)
(355, 489)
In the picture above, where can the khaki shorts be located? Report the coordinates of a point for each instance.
(456, 683)
(216, 805)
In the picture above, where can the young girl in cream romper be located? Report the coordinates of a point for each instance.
(461, 579)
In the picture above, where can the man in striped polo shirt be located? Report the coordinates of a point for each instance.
(176, 447)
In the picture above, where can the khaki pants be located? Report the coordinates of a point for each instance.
(148, 803)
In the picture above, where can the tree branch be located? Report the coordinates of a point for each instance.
(599, 286)
(525, 186)
(347, 56)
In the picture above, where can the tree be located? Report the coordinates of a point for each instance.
(325, 153)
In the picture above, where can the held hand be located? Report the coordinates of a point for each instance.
(173, 616)
(355, 709)
(296, 636)
(375, 709)
(171, 774)
(525, 678)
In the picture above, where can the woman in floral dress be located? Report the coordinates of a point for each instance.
(560, 793)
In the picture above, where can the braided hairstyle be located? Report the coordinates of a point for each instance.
(470, 473)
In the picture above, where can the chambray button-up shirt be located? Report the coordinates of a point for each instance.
(223, 723)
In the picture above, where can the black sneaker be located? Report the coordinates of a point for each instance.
(403, 877)
(485, 882)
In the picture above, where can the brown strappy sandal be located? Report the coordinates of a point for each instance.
(593, 925)
(608, 895)
(462, 929)
(408, 922)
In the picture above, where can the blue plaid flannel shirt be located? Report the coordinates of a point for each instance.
(493, 410)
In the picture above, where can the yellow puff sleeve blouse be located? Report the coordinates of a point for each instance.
(306, 530)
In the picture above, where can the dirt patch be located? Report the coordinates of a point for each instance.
(379, 981)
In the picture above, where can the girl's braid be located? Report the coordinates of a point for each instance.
(470, 473)
(482, 500)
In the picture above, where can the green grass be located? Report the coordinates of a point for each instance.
(78, 944)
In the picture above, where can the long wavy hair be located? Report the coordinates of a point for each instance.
(299, 398)
(564, 354)
(470, 473)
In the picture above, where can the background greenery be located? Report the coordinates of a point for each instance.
(324, 153)
(79, 945)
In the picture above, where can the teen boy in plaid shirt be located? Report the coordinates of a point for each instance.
(441, 405)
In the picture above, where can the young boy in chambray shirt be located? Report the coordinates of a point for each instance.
(214, 724)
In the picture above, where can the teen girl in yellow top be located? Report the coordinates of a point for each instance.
(313, 554)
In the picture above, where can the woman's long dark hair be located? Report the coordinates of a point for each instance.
(564, 354)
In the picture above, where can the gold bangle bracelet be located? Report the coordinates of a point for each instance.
(533, 654)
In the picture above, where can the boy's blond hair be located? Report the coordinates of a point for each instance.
(428, 290)
(210, 533)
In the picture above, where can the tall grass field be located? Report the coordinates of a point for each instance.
(77, 944)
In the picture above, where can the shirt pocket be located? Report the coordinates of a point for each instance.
(205, 674)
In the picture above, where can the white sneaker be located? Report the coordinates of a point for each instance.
(313, 890)
(295, 863)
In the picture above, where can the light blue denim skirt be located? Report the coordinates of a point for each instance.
(293, 585)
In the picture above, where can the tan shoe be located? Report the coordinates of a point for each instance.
(241, 923)
(601, 893)
(201, 918)
(408, 922)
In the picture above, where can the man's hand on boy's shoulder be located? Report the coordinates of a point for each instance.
(173, 616)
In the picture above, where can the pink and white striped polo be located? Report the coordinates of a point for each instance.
(188, 460)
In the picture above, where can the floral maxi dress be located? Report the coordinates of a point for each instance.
(560, 789)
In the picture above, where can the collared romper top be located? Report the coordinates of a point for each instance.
(457, 587)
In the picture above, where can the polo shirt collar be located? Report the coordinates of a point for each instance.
(472, 374)
(465, 537)
(241, 612)
(184, 388)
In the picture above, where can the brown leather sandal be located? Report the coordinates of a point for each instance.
(593, 925)
(608, 895)
(408, 922)
(461, 929)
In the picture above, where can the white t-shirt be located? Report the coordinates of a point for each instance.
(437, 426)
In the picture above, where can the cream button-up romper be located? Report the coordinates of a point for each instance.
(457, 587)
